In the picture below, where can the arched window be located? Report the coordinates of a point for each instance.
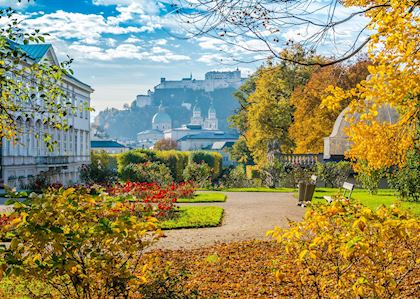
(38, 138)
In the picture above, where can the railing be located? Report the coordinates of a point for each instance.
(301, 159)
(58, 160)
(43, 160)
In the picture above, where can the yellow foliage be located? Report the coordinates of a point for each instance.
(269, 115)
(345, 250)
(394, 80)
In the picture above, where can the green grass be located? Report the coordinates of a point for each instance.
(194, 217)
(205, 197)
(260, 189)
(385, 197)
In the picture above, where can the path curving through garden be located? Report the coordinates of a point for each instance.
(248, 215)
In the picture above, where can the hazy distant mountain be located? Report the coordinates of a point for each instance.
(178, 97)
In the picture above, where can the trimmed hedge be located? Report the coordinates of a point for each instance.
(176, 161)
(135, 156)
(212, 159)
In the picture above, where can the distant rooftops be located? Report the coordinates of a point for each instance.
(213, 75)
(105, 144)
(210, 135)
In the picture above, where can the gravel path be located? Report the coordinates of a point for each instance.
(248, 215)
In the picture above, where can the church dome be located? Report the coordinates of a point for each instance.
(161, 117)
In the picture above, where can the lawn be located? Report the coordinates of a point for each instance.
(260, 189)
(383, 197)
(194, 217)
(205, 197)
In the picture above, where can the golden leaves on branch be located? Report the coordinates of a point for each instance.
(394, 81)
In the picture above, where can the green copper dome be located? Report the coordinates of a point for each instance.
(161, 117)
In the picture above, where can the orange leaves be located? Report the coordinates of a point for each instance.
(318, 103)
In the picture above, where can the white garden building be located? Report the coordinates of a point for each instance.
(29, 157)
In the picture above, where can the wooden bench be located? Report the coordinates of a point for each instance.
(347, 190)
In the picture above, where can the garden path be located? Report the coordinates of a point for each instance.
(248, 215)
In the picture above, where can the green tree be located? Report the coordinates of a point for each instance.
(265, 112)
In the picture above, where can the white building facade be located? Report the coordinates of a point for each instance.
(28, 156)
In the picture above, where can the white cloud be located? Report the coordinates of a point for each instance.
(213, 59)
(132, 40)
(68, 25)
(125, 51)
(15, 4)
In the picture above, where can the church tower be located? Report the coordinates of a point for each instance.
(211, 122)
(196, 119)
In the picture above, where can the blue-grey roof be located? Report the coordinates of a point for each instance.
(210, 135)
(105, 143)
(219, 145)
(161, 117)
(36, 52)
(150, 131)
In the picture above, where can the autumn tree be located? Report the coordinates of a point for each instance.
(265, 112)
(390, 35)
(311, 122)
(165, 145)
(394, 82)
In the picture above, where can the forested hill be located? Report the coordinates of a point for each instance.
(128, 122)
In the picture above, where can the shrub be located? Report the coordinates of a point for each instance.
(370, 179)
(333, 174)
(202, 156)
(218, 165)
(102, 170)
(290, 174)
(407, 179)
(82, 246)
(198, 173)
(148, 172)
(274, 174)
(347, 250)
(176, 162)
(252, 172)
(135, 157)
(236, 178)
(212, 159)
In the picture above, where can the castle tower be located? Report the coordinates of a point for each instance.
(196, 119)
(211, 122)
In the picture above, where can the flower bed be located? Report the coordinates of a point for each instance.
(153, 196)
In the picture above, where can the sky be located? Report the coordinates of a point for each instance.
(123, 47)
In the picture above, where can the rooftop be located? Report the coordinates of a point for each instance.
(211, 135)
(105, 144)
(219, 145)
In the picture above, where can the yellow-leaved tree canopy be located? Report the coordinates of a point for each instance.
(394, 81)
(311, 122)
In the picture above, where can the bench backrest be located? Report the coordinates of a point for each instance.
(348, 188)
